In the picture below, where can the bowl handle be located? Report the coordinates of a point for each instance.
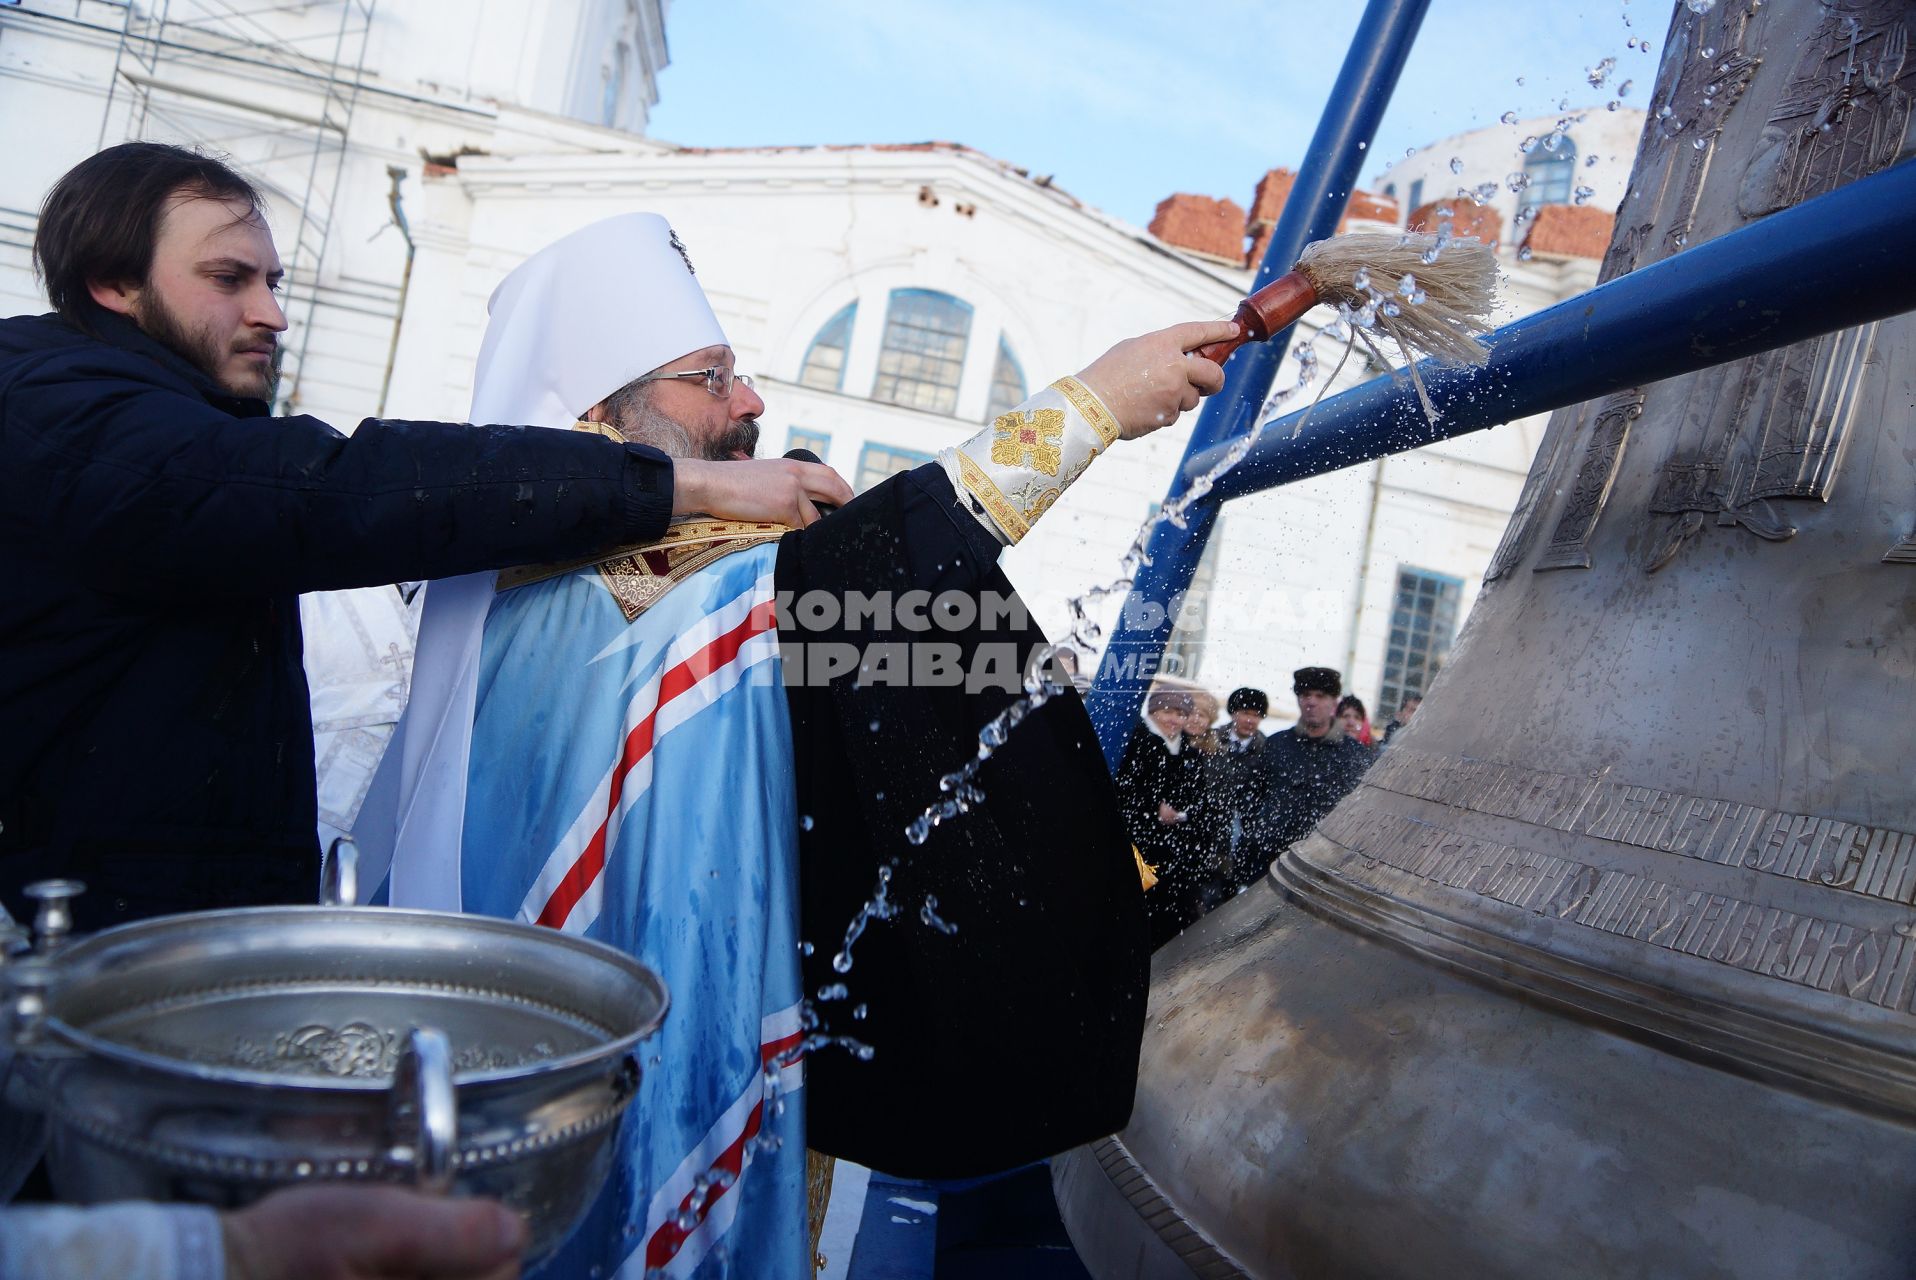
(425, 1110)
(339, 874)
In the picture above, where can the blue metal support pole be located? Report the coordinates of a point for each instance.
(1836, 261)
(1311, 212)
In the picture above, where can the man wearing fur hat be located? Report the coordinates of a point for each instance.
(608, 748)
(1310, 766)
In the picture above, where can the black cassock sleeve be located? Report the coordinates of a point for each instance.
(1017, 1035)
(141, 487)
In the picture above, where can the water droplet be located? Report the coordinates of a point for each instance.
(1583, 193)
(1706, 52)
(805, 948)
(1361, 281)
(1389, 308)
(1598, 74)
(1699, 6)
(1550, 142)
(805, 822)
(833, 991)
(1610, 105)
(1663, 113)
(858, 1012)
(1523, 254)
(1412, 292)
(1517, 181)
(874, 726)
(1700, 143)
(1528, 145)
(1623, 90)
(1520, 81)
(1682, 240)
(1590, 161)
(1456, 164)
(1484, 192)
(928, 914)
(1509, 117)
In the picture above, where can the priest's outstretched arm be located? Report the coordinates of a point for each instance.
(985, 494)
(1017, 467)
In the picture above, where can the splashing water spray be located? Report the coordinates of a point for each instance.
(1429, 294)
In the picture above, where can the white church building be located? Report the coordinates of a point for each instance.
(889, 298)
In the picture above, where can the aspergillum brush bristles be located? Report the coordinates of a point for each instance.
(1453, 288)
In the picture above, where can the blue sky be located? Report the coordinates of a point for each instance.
(1122, 101)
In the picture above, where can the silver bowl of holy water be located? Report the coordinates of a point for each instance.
(217, 1056)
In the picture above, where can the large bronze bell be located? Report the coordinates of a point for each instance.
(1609, 966)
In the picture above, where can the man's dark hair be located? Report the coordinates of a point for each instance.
(102, 218)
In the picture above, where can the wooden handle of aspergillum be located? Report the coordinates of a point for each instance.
(1272, 309)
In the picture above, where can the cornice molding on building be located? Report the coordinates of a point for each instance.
(956, 174)
(591, 140)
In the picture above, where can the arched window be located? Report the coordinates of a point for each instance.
(923, 351)
(824, 366)
(1551, 172)
(1007, 383)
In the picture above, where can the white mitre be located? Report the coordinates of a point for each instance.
(565, 329)
(584, 316)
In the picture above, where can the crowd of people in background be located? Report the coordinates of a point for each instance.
(1210, 804)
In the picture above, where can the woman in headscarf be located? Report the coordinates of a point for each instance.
(1355, 722)
(1160, 786)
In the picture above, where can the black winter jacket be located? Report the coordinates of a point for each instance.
(155, 737)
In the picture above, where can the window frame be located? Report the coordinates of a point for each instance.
(901, 356)
(846, 316)
(819, 442)
(1423, 634)
(1562, 180)
(916, 457)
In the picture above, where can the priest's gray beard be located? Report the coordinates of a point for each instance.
(640, 423)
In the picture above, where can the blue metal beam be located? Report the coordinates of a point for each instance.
(1829, 263)
(1316, 203)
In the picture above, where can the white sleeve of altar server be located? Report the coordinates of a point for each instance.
(1023, 462)
(130, 1241)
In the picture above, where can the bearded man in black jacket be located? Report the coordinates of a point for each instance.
(159, 525)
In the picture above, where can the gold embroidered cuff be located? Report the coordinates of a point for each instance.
(1017, 467)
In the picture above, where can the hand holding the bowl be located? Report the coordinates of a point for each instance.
(371, 1233)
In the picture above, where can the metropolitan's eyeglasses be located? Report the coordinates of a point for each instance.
(718, 379)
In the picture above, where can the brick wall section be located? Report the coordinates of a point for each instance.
(1200, 224)
(1370, 208)
(1571, 231)
(1274, 188)
(1203, 225)
(1467, 219)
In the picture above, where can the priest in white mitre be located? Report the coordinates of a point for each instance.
(615, 749)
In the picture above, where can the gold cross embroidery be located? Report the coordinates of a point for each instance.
(1034, 436)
